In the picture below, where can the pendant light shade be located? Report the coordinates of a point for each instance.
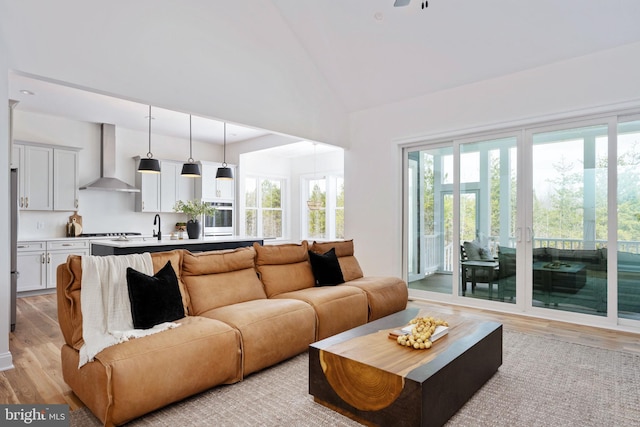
(224, 172)
(191, 168)
(149, 165)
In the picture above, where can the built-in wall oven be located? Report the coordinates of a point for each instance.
(221, 222)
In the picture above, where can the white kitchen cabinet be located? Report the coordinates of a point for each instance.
(211, 189)
(47, 177)
(186, 188)
(174, 186)
(32, 266)
(168, 186)
(65, 180)
(37, 262)
(57, 253)
(159, 192)
(148, 199)
(37, 184)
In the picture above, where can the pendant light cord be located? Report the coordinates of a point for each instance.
(190, 160)
(224, 147)
(149, 154)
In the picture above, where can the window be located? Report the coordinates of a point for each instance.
(263, 213)
(323, 207)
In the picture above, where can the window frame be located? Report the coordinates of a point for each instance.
(331, 190)
(259, 178)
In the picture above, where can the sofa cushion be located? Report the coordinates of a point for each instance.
(338, 308)
(385, 295)
(345, 252)
(284, 268)
(138, 376)
(271, 330)
(219, 278)
(326, 268)
(154, 299)
(476, 252)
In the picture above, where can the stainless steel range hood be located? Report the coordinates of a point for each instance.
(107, 180)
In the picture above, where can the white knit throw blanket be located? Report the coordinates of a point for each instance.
(106, 309)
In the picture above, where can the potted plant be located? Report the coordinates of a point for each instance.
(194, 209)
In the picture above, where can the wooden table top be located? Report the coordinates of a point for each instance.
(370, 344)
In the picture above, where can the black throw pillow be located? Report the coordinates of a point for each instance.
(154, 299)
(326, 268)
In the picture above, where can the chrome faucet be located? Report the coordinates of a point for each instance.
(159, 234)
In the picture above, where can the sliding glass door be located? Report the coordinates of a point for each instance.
(460, 257)
(628, 208)
(543, 220)
(488, 181)
(569, 219)
(430, 248)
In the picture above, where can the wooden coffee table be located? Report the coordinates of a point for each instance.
(368, 377)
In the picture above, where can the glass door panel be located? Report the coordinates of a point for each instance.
(569, 207)
(429, 216)
(628, 220)
(488, 176)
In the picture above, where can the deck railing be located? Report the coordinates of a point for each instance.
(443, 262)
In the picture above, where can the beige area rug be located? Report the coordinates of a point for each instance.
(542, 382)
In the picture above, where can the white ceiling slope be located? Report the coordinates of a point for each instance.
(295, 67)
(373, 54)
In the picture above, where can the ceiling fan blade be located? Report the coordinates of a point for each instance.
(400, 3)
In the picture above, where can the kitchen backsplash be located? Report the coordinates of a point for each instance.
(103, 216)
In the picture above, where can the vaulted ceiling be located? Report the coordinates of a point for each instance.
(372, 53)
(367, 52)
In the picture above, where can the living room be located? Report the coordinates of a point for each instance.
(247, 63)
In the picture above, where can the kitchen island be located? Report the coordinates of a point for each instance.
(136, 245)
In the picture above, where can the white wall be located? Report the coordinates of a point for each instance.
(5, 245)
(102, 211)
(373, 181)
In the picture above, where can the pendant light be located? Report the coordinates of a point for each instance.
(149, 165)
(224, 172)
(191, 168)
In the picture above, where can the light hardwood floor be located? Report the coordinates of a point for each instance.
(35, 346)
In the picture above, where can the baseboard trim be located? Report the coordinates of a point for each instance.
(6, 361)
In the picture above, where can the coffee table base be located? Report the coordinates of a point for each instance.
(429, 395)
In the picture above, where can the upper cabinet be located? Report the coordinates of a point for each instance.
(47, 177)
(148, 199)
(160, 192)
(211, 189)
(65, 180)
(174, 186)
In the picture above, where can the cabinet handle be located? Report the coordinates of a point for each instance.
(48, 258)
(26, 202)
(67, 244)
(22, 202)
(42, 258)
(76, 204)
(143, 205)
(23, 246)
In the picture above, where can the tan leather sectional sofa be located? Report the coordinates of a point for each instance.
(247, 308)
